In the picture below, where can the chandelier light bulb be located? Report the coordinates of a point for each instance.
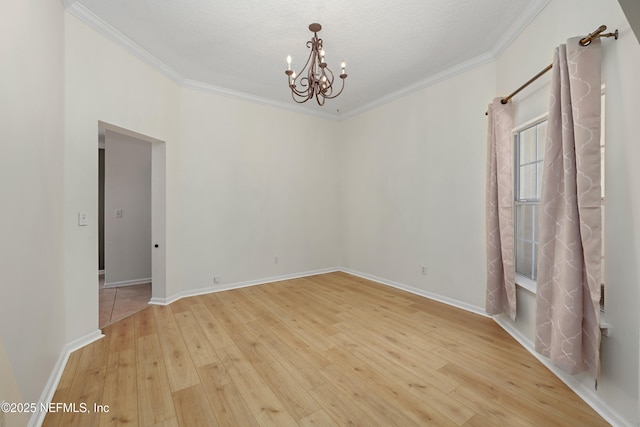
(289, 62)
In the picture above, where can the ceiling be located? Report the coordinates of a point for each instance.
(239, 47)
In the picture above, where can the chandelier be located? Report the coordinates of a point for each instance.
(315, 80)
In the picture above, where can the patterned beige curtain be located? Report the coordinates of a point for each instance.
(501, 287)
(569, 264)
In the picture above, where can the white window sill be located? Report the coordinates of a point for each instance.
(526, 283)
(531, 286)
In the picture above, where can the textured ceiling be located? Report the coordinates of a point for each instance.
(240, 46)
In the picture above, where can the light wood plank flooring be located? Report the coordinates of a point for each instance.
(325, 350)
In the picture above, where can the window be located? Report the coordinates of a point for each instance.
(529, 143)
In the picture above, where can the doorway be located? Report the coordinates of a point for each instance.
(130, 221)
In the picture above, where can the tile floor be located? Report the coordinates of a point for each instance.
(118, 303)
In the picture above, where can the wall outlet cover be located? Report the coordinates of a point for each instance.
(83, 218)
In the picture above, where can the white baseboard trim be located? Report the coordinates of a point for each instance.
(237, 285)
(421, 292)
(37, 418)
(585, 393)
(128, 282)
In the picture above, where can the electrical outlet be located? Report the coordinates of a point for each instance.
(275, 259)
(424, 270)
(216, 279)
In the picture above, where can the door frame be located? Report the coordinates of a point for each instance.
(158, 207)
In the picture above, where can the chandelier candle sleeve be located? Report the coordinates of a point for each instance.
(315, 80)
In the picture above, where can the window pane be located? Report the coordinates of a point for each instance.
(542, 139)
(524, 255)
(534, 267)
(534, 222)
(528, 146)
(539, 183)
(519, 222)
(528, 182)
(525, 222)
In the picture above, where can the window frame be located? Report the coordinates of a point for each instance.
(525, 282)
(522, 281)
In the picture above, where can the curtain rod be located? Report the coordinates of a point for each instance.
(585, 41)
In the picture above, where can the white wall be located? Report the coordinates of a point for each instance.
(257, 183)
(412, 189)
(128, 188)
(618, 384)
(32, 287)
(244, 182)
(104, 82)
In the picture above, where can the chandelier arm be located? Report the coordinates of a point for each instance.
(306, 63)
(336, 95)
(328, 90)
(303, 83)
(299, 102)
(304, 95)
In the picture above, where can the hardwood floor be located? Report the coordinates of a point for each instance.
(325, 350)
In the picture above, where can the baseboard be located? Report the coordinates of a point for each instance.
(577, 387)
(133, 282)
(37, 418)
(436, 297)
(237, 285)
(585, 393)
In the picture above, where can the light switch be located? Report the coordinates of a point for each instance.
(118, 213)
(83, 218)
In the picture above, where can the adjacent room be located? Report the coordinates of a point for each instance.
(202, 228)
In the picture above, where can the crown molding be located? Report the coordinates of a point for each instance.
(104, 28)
(230, 93)
(517, 26)
(463, 67)
(530, 12)
(85, 15)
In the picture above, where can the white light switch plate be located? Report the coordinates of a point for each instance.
(83, 218)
